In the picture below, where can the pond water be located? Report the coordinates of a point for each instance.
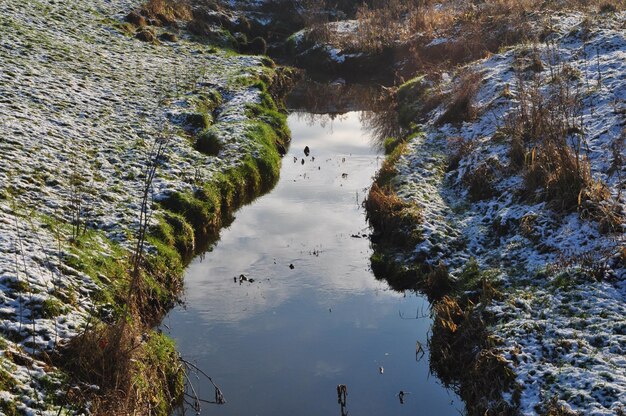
(314, 315)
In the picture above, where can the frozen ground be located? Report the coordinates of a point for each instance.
(562, 323)
(80, 105)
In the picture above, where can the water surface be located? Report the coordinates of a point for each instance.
(314, 316)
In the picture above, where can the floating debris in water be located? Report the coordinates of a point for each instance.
(307, 151)
(291, 266)
(381, 370)
(342, 394)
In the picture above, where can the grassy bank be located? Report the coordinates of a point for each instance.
(518, 245)
(82, 182)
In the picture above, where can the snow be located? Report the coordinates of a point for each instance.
(81, 100)
(561, 329)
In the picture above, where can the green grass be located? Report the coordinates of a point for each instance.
(410, 98)
(204, 210)
(160, 374)
(51, 308)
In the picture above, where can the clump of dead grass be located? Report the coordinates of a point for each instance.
(394, 218)
(459, 149)
(134, 371)
(548, 145)
(480, 181)
(168, 11)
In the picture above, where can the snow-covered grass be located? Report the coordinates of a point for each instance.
(560, 324)
(81, 102)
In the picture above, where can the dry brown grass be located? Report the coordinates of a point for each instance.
(462, 355)
(394, 218)
(485, 26)
(168, 11)
(135, 372)
(548, 144)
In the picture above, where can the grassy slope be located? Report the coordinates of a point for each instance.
(83, 104)
(525, 277)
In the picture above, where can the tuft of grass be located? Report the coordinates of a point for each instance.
(135, 370)
(459, 149)
(174, 230)
(208, 142)
(411, 97)
(9, 408)
(51, 308)
(395, 219)
(159, 363)
(168, 11)
(438, 282)
(198, 121)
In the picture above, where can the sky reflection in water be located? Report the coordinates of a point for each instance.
(280, 345)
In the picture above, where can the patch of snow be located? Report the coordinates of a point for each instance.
(563, 333)
(80, 102)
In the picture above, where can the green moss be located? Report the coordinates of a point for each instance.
(273, 118)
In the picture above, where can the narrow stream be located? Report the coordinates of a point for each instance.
(311, 315)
